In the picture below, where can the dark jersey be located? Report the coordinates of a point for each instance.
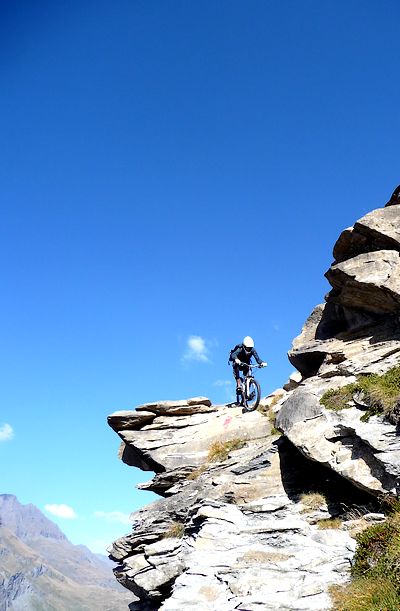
(244, 356)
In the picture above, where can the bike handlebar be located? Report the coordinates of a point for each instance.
(252, 366)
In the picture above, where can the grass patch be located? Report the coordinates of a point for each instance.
(375, 570)
(381, 394)
(312, 501)
(366, 595)
(329, 523)
(339, 398)
(219, 450)
(175, 531)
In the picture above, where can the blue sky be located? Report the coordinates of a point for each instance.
(173, 176)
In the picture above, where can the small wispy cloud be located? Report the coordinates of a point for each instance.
(114, 516)
(223, 383)
(196, 349)
(6, 432)
(61, 511)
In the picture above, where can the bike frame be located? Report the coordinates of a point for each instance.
(246, 379)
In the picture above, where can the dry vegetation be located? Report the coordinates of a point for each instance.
(329, 523)
(175, 531)
(219, 450)
(312, 501)
(197, 472)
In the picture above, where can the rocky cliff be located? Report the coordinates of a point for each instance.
(243, 522)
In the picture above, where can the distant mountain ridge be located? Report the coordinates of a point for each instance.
(27, 521)
(41, 570)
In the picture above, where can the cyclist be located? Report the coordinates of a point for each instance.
(242, 354)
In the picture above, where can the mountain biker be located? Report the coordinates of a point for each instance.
(243, 354)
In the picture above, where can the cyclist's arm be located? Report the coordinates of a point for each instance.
(254, 353)
(235, 355)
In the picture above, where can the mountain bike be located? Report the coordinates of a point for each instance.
(251, 392)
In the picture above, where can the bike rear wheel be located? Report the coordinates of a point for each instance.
(253, 395)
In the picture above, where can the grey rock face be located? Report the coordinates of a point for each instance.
(377, 230)
(177, 440)
(241, 540)
(235, 532)
(357, 332)
(231, 533)
(301, 406)
(370, 281)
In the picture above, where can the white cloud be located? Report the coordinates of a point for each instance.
(196, 350)
(61, 511)
(223, 383)
(114, 516)
(6, 432)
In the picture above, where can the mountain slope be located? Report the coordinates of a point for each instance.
(40, 570)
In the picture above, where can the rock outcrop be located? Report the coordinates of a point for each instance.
(234, 529)
(231, 532)
(356, 332)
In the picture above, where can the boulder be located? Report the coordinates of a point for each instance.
(293, 382)
(377, 230)
(369, 282)
(301, 406)
(129, 419)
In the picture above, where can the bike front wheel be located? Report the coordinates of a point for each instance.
(253, 395)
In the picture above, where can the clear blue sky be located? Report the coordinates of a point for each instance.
(170, 170)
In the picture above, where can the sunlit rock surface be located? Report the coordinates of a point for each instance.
(234, 531)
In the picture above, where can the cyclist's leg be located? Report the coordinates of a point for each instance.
(236, 374)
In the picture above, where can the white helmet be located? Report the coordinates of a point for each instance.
(248, 342)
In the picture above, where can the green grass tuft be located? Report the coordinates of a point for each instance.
(381, 394)
(366, 595)
(339, 398)
(375, 570)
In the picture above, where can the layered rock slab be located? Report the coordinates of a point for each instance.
(377, 230)
(243, 540)
(370, 281)
(365, 453)
(357, 332)
(177, 439)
